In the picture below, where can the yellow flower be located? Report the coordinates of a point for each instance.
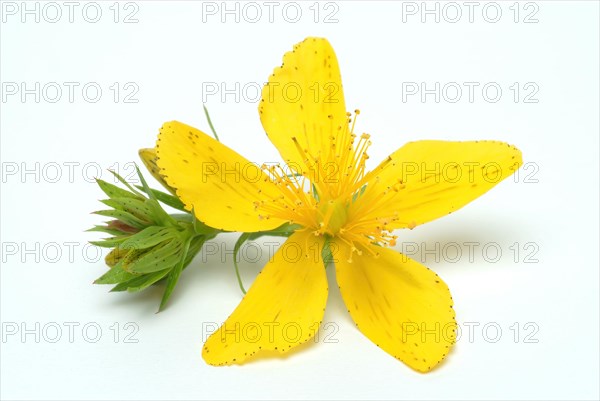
(402, 306)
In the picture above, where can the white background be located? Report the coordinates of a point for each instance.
(170, 54)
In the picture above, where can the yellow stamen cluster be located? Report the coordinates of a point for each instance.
(331, 194)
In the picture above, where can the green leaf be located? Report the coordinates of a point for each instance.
(149, 237)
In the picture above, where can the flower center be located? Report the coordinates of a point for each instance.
(333, 215)
(323, 194)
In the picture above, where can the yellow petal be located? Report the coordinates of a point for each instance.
(217, 183)
(149, 159)
(425, 180)
(303, 99)
(283, 308)
(399, 304)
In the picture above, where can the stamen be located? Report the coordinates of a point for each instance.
(333, 194)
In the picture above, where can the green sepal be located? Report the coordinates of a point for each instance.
(122, 180)
(144, 183)
(116, 255)
(149, 245)
(159, 216)
(136, 207)
(149, 237)
(174, 276)
(359, 193)
(110, 242)
(160, 257)
(140, 282)
(326, 253)
(115, 275)
(125, 217)
(202, 229)
(105, 229)
(115, 192)
(165, 198)
(284, 230)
